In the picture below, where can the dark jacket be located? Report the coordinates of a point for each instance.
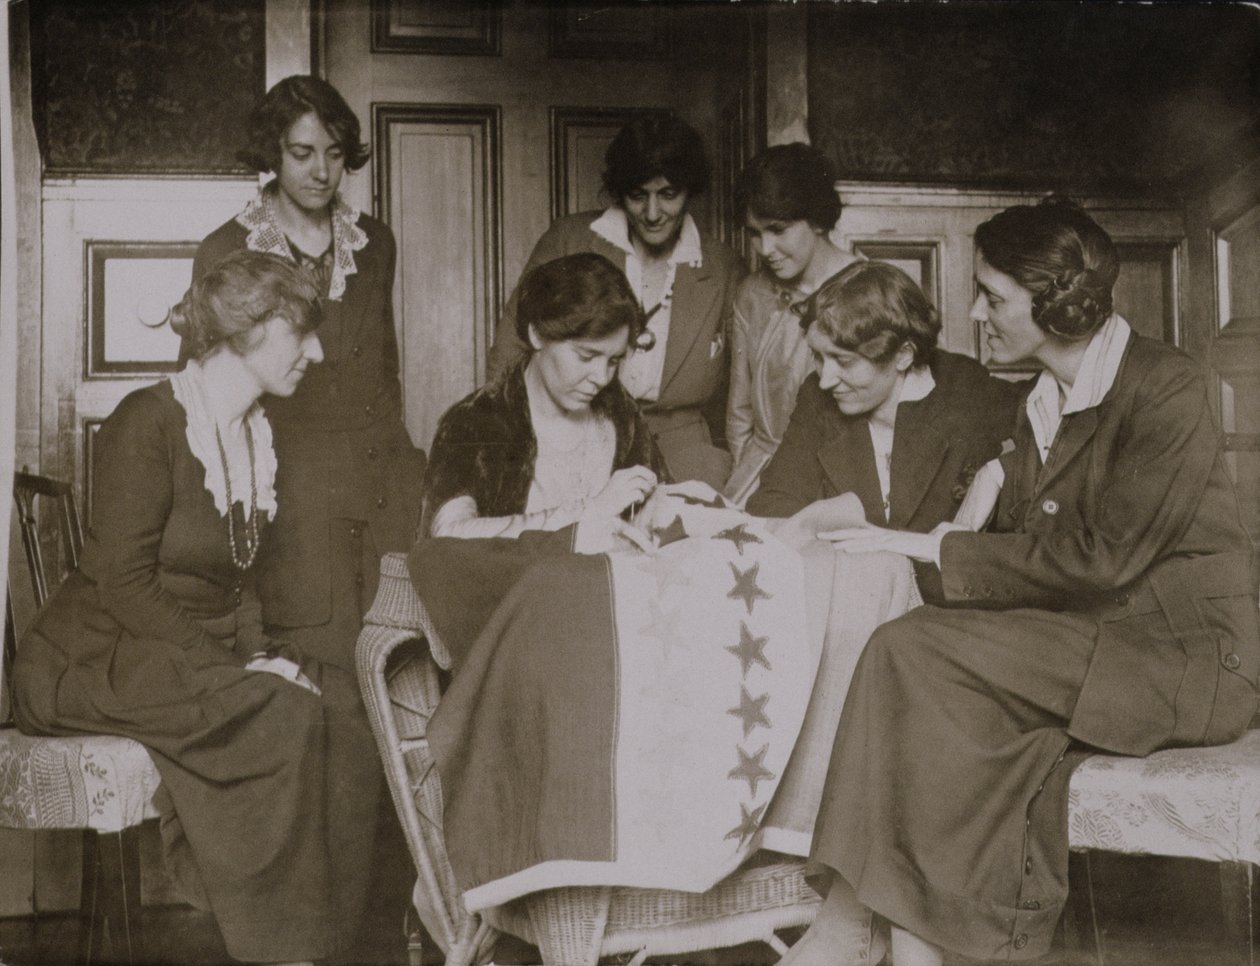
(938, 444)
(697, 358)
(1134, 520)
(485, 446)
(342, 448)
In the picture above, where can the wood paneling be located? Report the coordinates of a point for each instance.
(438, 185)
(930, 233)
(1147, 293)
(579, 138)
(435, 27)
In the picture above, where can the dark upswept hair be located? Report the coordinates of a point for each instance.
(1061, 255)
(653, 146)
(240, 293)
(286, 102)
(581, 296)
(873, 309)
(789, 182)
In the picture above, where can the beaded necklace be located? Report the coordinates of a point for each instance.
(251, 532)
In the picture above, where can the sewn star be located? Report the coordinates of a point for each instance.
(752, 769)
(751, 711)
(748, 822)
(666, 535)
(739, 536)
(750, 649)
(746, 588)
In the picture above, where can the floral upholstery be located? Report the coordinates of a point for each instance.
(1199, 803)
(104, 783)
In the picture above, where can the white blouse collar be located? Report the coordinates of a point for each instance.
(614, 227)
(190, 392)
(265, 235)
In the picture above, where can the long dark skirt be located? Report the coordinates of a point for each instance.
(946, 798)
(263, 781)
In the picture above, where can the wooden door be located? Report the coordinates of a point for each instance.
(487, 121)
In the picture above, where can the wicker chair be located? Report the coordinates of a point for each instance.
(398, 660)
(102, 784)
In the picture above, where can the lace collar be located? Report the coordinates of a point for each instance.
(190, 392)
(265, 235)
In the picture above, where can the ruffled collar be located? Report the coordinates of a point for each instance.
(190, 392)
(265, 235)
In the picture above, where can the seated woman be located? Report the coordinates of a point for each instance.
(654, 171)
(887, 415)
(158, 635)
(788, 200)
(558, 439)
(1111, 606)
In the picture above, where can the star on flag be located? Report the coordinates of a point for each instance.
(668, 534)
(748, 822)
(750, 650)
(746, 588)
(751, 711)
(752, 769)
(739, 536)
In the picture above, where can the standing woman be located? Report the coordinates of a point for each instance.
(349, 482)
(788, 201)
(158, 635)
(685, 281)
(1111, 605)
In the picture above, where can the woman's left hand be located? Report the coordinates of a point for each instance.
(598, 534)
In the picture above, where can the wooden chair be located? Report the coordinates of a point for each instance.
(103, 785)
(398, 660)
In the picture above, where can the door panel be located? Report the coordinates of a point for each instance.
(437, 168)
(559, 94)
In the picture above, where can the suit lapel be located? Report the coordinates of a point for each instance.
(1075, 432)
(919, 449)
(848, 459)
(691, 310)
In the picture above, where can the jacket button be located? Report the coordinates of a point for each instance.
(1122, 599)
(356, 530)
(1232, 661)
(357, 351)
(370, 409)
(1028, 867)
(988, 590)
(380, 503)
(967, 591)
(372, 452)
(1030, 904)
(1021, 940)
(1050, 507)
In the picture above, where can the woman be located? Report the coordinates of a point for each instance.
(1112, 606)
(158, 635)
(558, 440)
(348, 483)
(788, 199)
(887, 415)
(684, 280)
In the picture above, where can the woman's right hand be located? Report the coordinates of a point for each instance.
(623, 489)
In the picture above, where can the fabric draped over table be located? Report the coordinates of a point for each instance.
(643, 720)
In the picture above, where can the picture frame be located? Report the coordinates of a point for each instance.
(602, 30)
(445, 27)
(131, 286)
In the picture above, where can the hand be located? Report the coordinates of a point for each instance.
(809, 523)
(282, 667)
(868, 539)
(609, 535)
(978, 505)
(623, 489)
